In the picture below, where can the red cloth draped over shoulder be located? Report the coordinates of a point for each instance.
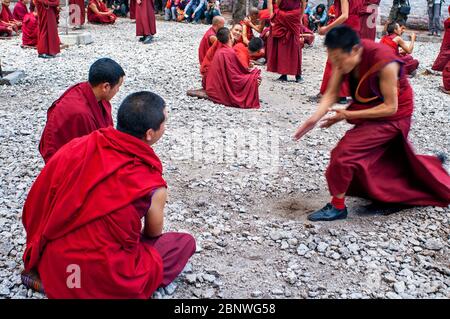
(368, 17)
(446, 76)
(410, 64)
(444, 52)
(389, 41)
(20, 10)
(100, 18)
(48, 39)
(30, 30)
(230, 83)
(80, 212)
(205, 44)
(75, 18)
(76, 113)
(242, 54)
(204, 68)
(133, 9)
(145, 18)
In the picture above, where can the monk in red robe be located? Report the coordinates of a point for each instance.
(446, 77)
(98, 12)
(444, 53)
(145, 20)
(228, 81)
(250, 23)
(284, 49)
(30, 30)
(210, 37)
(236, 33)
(368, 19)
(83, 213)
(347, 13)
(77, 13)
(83, 108)
(251, 52)
(374, 159)
(204, 68)
(48, 40)
(20, 10)
(394, 40)
(133, 9)
(5, 29)
(7, 17)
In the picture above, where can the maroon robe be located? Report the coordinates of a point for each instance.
(374, 159)
(20, 10)
(93, 17)
(30, 30)
(76, 113)
(85, 210)
(77, 20)
(444, 52)
(205, 44)
(145, 18)
(353, 22)
(284, 49)
(446, 76)
(368, 16)
(133, 9)
(7, 17)
(48, 39)
(230, 83)
(4, 29)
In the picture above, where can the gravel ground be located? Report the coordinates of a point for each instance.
(248, 211)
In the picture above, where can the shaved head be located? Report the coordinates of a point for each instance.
(253, 11)
(218, 22)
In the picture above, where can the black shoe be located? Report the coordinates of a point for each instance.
(46, 56)
(343, 100)
(141, 39)
(328, 213)
(148, 39)
(283, 78)
(298, 79)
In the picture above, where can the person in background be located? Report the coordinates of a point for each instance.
(212, 10)
(318, 17)
(434, 17)
(120, 8)
(399, 11)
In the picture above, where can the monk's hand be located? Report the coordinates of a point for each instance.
(305, 128)
(259, 81)
(323, 30)
(139, 1)
(338, 116)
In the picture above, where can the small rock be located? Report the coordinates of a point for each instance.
(256, 294)
(399, 287)
(302, 249)
(208, 293)
(191, 278)
(322, 247)
(433, 244)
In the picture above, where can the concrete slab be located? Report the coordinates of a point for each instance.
(11, 77)
(76, 38)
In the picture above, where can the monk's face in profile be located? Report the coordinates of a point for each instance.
(110, 91)
(236, 31)
(152, 136)
(344, 61)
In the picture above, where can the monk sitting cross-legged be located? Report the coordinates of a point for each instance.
(98, 12)
(82, 216)
(7, 17)
(228, 82)
(83, 108)
(374, 159)
(30, 29)
(210, 37)
(221, 42)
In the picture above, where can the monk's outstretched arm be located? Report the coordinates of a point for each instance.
(405, 47)
(389, 90)
(154, 220)
(340, 20)
(326, 102)
(270, 7)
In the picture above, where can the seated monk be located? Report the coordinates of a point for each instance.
(5, 29)
(444, 52)
(98, 13)
(228, 81)
(83, 108)
(236, 33)
(250, 23)
(253, 51)
(210, 37)
(7, 17)
(20, 10)
(30, 29)
(394, 40)
(83, 213)
(222, 42)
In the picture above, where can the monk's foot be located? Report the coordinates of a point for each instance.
(148, 39)
(413, 74)
(343, 100)
(298, 79)
(46, 56)
(328, 213)
(141, 39)
(283, 78)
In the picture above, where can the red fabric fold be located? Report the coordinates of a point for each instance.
(20, 10)
(30, 30)
(145, 18)
(205, 44)
(48, 39)
(444, 52)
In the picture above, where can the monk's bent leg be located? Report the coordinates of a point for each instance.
(175, 250)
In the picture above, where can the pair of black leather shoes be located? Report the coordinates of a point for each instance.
(146, 39)
(46, 56)
(283, 78)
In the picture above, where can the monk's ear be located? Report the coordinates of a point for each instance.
(149, 135)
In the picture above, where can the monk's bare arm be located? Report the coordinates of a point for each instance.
(212, 39)
(388, 87)
(405, 47)
(94, 9)
(326, 102)
(339, 20)
(154, 220)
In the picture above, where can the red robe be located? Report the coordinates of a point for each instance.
(145, 18)
(4, 29)
(444, 52)
(84, 211)
(100, 18)
(7, 16)
(249, 29)
(368, 17)
(446, 76)
(229, 83)
(30, 30)
(20, 10)
(242, 54)
(204, 68)
(374, 159)
(410, 64)
(78, 21)
(205, 44)
(133, 9)
(284, 49)
(76, 113)
(48, 39)
(352, 21)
